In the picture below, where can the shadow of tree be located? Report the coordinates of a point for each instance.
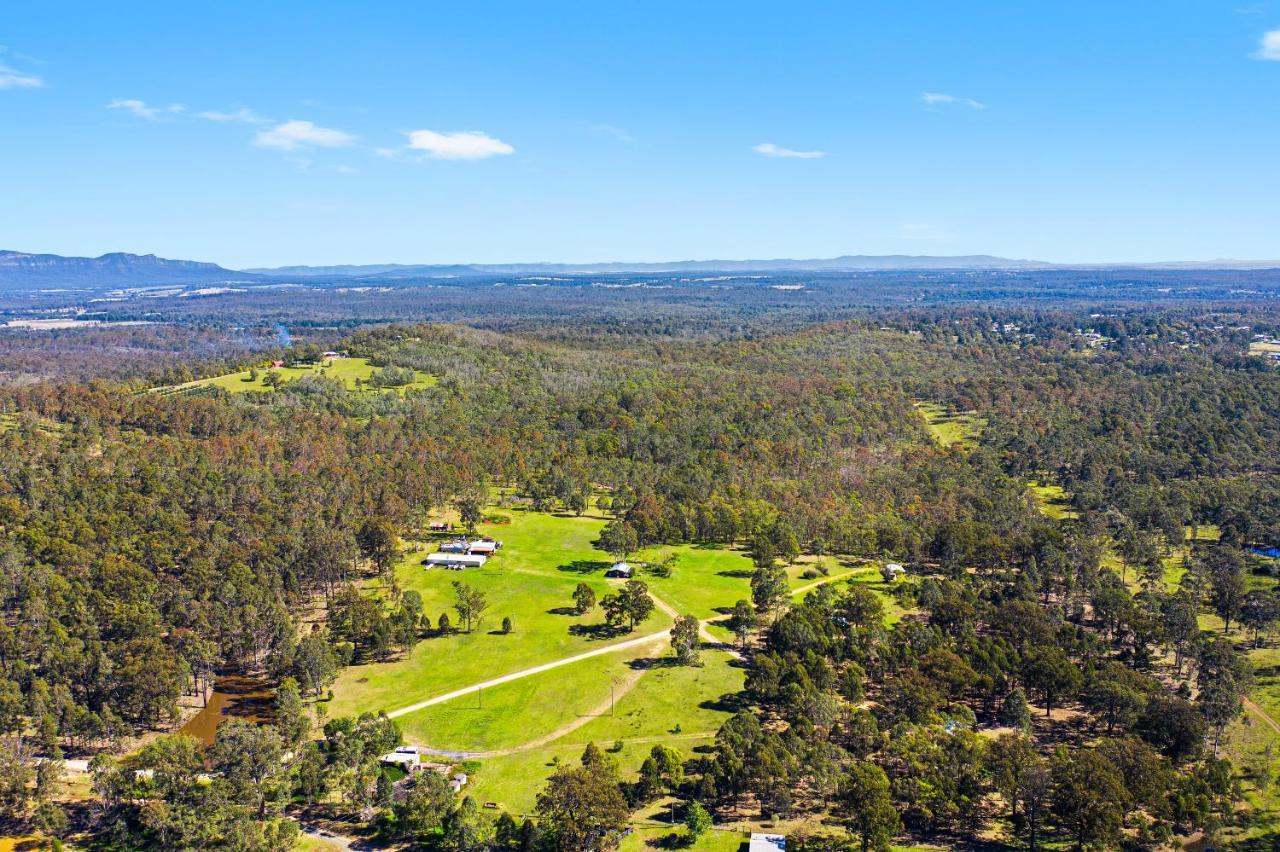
(736, 573)
(584, 566)
(562, 610)
(647, 663)
(596, 631)
(730, 702)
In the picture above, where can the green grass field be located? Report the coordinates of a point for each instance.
(531, 580)
(947, 428)
(349, 371)
(655, 699)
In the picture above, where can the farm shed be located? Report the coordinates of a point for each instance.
(761, 842)
(455, 560)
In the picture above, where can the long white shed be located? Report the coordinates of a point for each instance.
(455, 560)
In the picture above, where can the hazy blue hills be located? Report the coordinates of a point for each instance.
(835, 264)
(21, 271)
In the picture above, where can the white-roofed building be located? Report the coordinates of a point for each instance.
(455, 560)
(761, 842)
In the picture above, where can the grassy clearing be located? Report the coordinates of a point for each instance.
(655, 699)
(531, 580)
(544, 556)
(1251, 746)
(513, 713)
(948, 428)
(352, 372)
(1053, 500)
(679, 706)
(650, 837)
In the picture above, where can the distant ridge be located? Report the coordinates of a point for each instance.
(21, 271)
(865, 263)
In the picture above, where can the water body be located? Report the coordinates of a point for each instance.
(233, 696)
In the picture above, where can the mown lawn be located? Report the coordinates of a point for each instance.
(663, 699)
(514, 713)
(531, 580)
(346, 370)
(678, 706)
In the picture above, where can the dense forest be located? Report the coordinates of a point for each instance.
(1077, 673)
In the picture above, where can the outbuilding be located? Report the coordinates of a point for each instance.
(892, 571)
(457, 561)
(405, 758)
(458, 545)
(484, 546)
(761, 842)
(619, 569)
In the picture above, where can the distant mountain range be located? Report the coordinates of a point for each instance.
(20, 271)
(847, 262)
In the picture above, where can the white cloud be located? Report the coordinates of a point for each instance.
(616, 132)
(294, 134)
(142, 110)
(12, 78)
(768, 149)
(938, 98)
(460, 145)
(242, 115)
(1270, 47)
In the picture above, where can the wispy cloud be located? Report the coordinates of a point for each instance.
(1269, 49)
(940, 99)
(243, 115)
(294, 135)
(768, 149)
(141, 109)
(616, 132)
(12, 78)
(459, 145)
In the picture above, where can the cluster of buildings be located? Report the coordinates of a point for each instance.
(461, 553)
(409, 758)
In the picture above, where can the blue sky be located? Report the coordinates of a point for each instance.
(279, 133)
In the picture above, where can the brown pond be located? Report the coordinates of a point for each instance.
(233, 696)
